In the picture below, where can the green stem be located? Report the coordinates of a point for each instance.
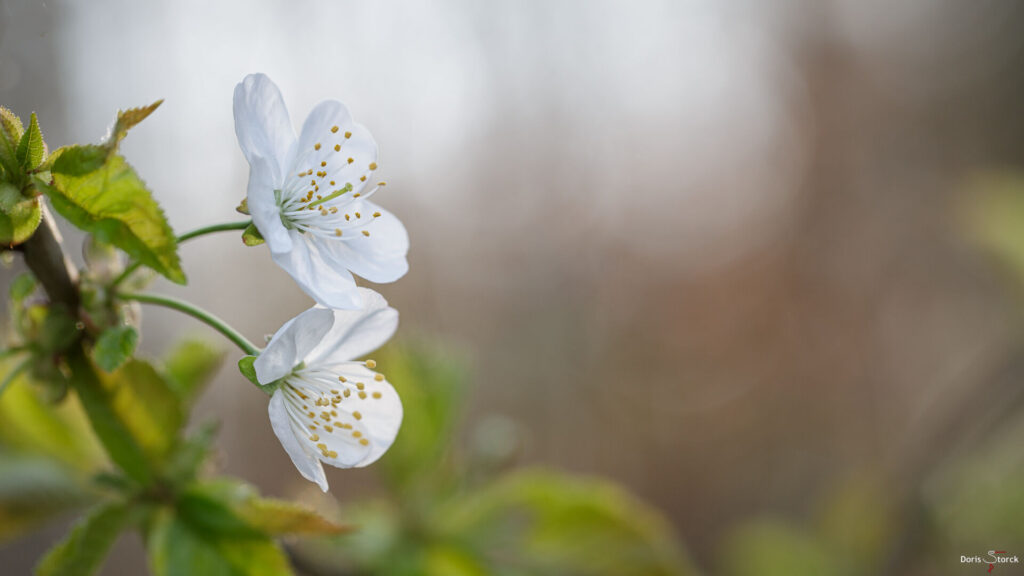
(197, 313)
(184, 238)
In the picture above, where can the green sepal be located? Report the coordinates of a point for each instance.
(251, 236)
(31, 149)
(243, 207)
(245, 366)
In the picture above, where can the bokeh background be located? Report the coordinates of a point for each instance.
(726, 254)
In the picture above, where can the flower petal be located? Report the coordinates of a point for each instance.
(330, 124)
(329, 285)
(302, 455)
(293, 341)
(379, 257)
(262, 124)
(263, 206)
(356, 333)
(381, 417)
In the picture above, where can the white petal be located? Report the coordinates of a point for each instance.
(292, 342)
(263, 206)
(319, 129)
(302, 455)
(262, 124)
(329, 285)
(356, 333)
(381, 417)
(379, 257)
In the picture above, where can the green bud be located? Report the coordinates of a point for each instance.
(19, 216)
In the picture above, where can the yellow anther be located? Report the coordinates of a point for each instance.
(341, 379)
(377, 395)
(332, 182)
(364, 441)
(347, 217)
(334, 413)
(337, 231)
(314, 438)
(357, 434)
(316, 146)
(334, 209)
(328, 428)
(332, 454)
(382, 183)
(360, 386)
(373, 165)
(362, 395)
(325, 416)
(378, 377)
(351, 160)
(357, 194)
(357, 415)
(371, 364)
(366, 233)
(347, 393)
(334, 129)
(322, 446)
(362, 178)
(311, 415)
(348, 134)
(337, 147)
(323, 163)
(376, 214)
(312, 182)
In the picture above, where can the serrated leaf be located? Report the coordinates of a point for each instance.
(147, 407)
(127, 119)
(79, 160)
(114, 346)
(251, 236)
(113, 204)
(11, 131)
(31, 148)
(190, 366)
(177, 547)
(231, 507)
(19, 216)
(83, 551)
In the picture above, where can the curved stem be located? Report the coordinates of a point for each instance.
(184, 238)
(197, 313)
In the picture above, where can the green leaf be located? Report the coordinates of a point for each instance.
(147, 406)
(109, 423)
(79, 160)
(190, 366)
(31, 148)
(251, 236)
(234, 507)
(245, 366)
(21, 288)
(189, 454)
(19, 216)
(553, 523)
(83, 551)
(113, 204)
(35, 488)
(127, 119)
(11, 131)
(114, 346)
(432, 382)
(771, 547)
(177, 547)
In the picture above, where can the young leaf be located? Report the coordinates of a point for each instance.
(113, 204)
(19, 216)
(114, 346)
(83, 551)
(179, 548)
(31, 148)
(190, 366)
(127, 119)
(11, 131)
(232, 507)
(251, 236)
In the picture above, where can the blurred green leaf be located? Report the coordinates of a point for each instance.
(19, 216)
(546, 522)
(110, 424)
(768, 547)
(858, 521)
(432, 384)
(114, 346)
(31, 148)
(190, 366)
(21, 288)
(994, 216)
(240, 510)
(35, 488)
(177, 547)
(113, 203)
(189, 455)
(147, 406)
(83, 551)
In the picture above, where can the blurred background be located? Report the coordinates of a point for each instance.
(738, 257)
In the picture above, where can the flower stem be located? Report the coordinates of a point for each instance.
(197, 313)
(183, 238)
